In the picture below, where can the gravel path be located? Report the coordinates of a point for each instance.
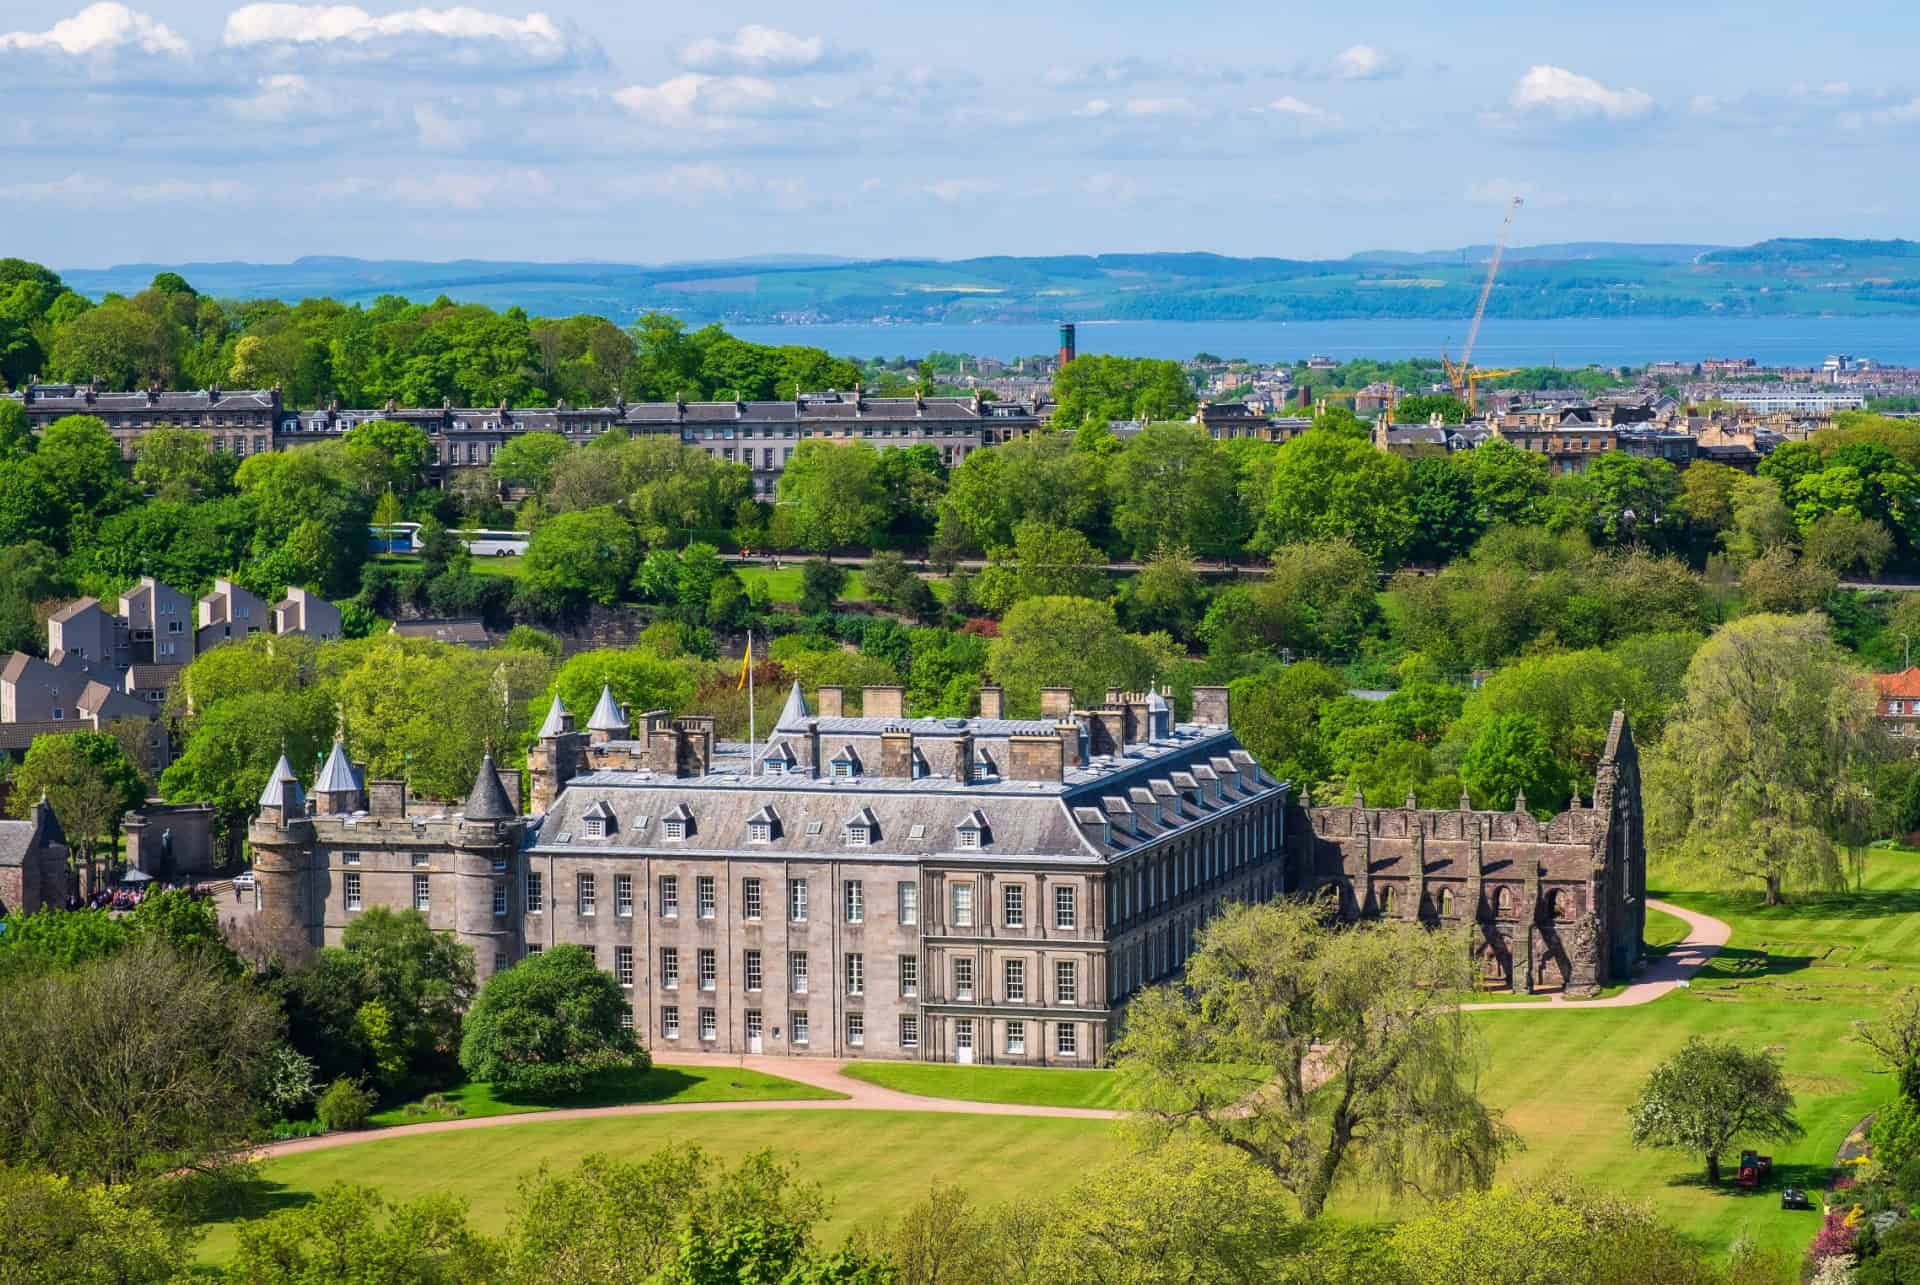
(1705, 936)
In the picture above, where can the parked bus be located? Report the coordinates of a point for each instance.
(495, 544)
(399, 537)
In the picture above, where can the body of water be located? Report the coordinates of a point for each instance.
(1795, 341)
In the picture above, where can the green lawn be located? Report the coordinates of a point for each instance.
(873, 1163)
(1663, 930)
(510, 567)
(620, 1088)
(783, 584)
(1031, 1086)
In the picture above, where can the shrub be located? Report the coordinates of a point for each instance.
(345, 1105)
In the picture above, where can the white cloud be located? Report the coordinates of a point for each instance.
(686, 182)
(698, 101)
(1113, 187)
(1364, 62)
(1900, 114)
(279, 98)
(1288, 105)
(88, 190)
(462, 36)
(1094, 107)
(100, 29)
(960, 189)
(437, 130)
(1160, 107)
(767, 51)
(1567, 95)
(446, 190)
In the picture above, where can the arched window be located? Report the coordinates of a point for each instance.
(1446, 903)
(1503, 902)
(1386, 901)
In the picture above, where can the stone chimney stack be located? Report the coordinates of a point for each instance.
(883, 702)
(832, 702)
(993, 699)
(1056, 702)
(1212, 706)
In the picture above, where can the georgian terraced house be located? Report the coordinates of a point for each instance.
(971, 890)
(759, 434)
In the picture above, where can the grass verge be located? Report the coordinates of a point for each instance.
(614, 1089)
(1024, 1085)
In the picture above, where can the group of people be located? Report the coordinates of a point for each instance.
(128, 898)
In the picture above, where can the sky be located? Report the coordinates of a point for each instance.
(190, 130)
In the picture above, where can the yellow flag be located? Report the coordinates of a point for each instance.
(746, 664)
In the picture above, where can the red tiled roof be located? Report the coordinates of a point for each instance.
(1905, 684)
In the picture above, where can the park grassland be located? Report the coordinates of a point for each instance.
(1027, 1086)
(874, 1164)
(656, 1084)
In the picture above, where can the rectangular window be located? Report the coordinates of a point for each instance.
(797, 1025)
(797, 972)
(670, 968)
(1013, 905)
(1016, 1036)
(499, 900)
(1016, 981)
(670, 1022)
(857, 1029)
(909, 1032)
(623, 896)
(1066, 1039)
(749, 898)
(626, 1019)
(753, 970)
(856, 900)
(709, 1028)
(1065, 910)
(349, 858)
(352, 882)
(421, 899)
(963, 977)
(536, 901)
(856, 974)
(623, 966)
(909, 903)
(709, 968)
(963, 905)
(909, 975)
(797, 901)
(703, 890)
(1066, 982)
(670, 896)
(583, 887)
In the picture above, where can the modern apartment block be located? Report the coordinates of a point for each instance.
(960, 890)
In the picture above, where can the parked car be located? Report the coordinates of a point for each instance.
(243, 882)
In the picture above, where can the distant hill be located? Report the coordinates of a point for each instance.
(1787, 277)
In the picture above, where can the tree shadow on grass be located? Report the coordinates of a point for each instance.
(253, 1197)
(1810, 1178)
(1733, 964)
(624, 1087)
(1867, 903)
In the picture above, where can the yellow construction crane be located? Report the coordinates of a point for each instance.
(1475, 376)
(1457, 374)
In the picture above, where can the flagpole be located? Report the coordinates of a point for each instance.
(753, 733)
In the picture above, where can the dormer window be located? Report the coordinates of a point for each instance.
(598, 820)
(761, 826)
(971, 833)
(919, 765)
(859, 836)
(846, 764)
(967, 837)
(983, 765)
(678, 823)
(862, 829)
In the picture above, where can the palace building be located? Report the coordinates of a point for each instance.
(972, 890)
(984, 889)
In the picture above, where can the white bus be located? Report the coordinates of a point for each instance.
(495, 544)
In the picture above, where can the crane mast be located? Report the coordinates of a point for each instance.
(1457, 375)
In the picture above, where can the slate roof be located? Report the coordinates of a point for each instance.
(473, 633)
(795, 712)
(556, 721)
(336, 774)
(19, 838)
(488, 800)
(283, 788)
(73, 609)
(606, 715)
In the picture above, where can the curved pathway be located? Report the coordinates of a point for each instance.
(1705, 936)
(819, 1073)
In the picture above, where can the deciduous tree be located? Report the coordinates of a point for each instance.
(540, 1028)
(1317, 1051)
(1712, 1095)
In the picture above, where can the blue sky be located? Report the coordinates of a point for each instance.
(174, 130)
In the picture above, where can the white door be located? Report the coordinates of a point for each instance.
(963, 1040)
(754, 1024)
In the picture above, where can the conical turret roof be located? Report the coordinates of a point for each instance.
(606, 715)
(556, 723)
(795, 710)
(283, 788)
(336, 774)
(488, 800)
